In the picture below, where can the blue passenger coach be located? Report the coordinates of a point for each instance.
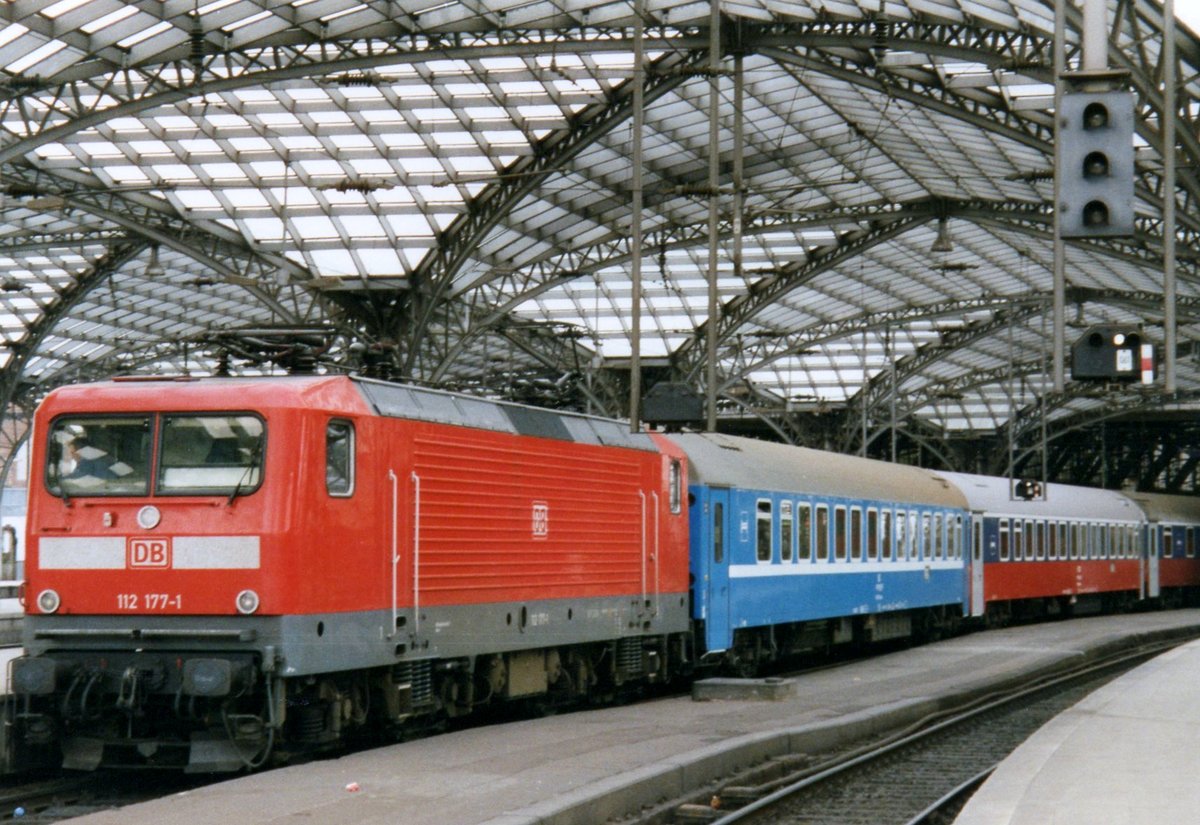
(795, 549)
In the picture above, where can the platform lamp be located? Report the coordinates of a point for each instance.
(942, 243)
(154, 267)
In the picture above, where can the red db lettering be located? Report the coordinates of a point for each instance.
(154, 553)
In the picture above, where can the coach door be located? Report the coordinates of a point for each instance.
(717, 630)
(976, 534)
(1150, 553)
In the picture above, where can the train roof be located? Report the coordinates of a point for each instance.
(1169, 509)
(418, 403)
(991, 495)
(729, 461)
(350, 394)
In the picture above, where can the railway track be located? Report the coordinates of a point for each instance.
(57, 798)
(919, 776)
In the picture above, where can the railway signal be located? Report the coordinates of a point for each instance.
(1095, 135)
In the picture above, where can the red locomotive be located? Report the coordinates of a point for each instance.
(222, 568)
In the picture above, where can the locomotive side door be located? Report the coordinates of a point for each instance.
(717, 547)
(976, 534)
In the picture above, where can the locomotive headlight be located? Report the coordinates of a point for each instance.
(247, 602)
(48, 601)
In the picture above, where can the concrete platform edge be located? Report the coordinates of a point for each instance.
(631, 791)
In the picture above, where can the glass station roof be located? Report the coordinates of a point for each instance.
(450, 182)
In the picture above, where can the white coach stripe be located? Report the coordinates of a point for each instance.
(804, 568)
(81, 553)
(215, 553)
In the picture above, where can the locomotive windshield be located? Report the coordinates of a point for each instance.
(99, 456)
(211, 454)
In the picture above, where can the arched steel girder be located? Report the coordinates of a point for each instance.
(688, 360)
(556, 269)
(879, 389)
(924, 436)
(140, 87)
(433, 279)
(929, 395)
(1115, 406)
(173, 80)
(13, 382)
(68, 99)
(555, 352)
(991, 112)
(883, 223)
(218, 249)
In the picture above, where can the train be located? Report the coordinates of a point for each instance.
(223, 573)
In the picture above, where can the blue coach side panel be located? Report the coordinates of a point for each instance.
(785, 534)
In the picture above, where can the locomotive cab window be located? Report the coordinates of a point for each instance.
(99, 456)
(211, 454)
(339, 458)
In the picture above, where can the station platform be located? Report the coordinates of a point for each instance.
(1125, 755)
(588, 767)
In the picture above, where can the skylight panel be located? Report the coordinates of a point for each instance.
(333, 262)
(214, 6)
(230, 28)
(224, 171)
(62, 7)
(35, 57)
(144, 35)
(11, 32)
(335, 15)
(264, 229)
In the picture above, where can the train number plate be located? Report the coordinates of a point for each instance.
(149, 601)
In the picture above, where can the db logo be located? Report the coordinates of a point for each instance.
(541, 519)
(149, 552)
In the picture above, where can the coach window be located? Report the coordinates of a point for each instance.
(804, 531)
(1052, 540)
(1004, 539)
(822, 532)
(886, 535)
(339, 458)
(1040, 549)
(872, 534)
(1076, 540)
(1018, 540)
(901, 535)
(856, 552)
(958, 537)
(765, 551)
(785, 531)
(1168, 544)
(1191, 543)
(839, 532)
(939, 536)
